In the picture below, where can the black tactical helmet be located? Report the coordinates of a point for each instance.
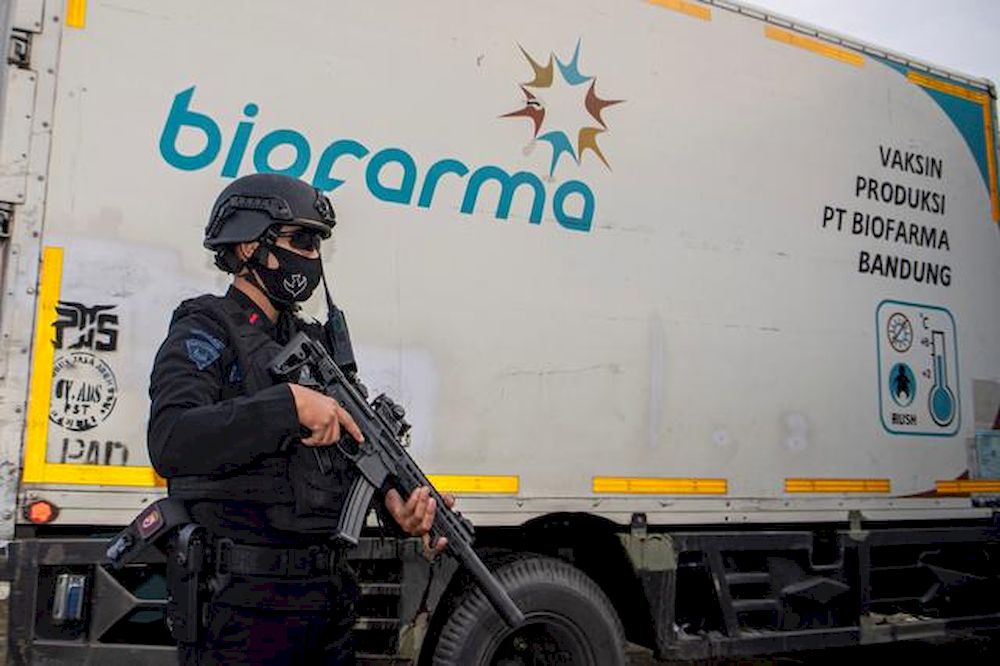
(251, 204)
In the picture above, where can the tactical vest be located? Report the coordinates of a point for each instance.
(299, 498)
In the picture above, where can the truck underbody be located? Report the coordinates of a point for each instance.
(690, 593)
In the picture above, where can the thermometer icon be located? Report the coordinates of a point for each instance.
(941, 399)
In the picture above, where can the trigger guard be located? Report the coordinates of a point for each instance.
(349, 447)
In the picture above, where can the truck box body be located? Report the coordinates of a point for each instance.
(676, 259)
(703, 320)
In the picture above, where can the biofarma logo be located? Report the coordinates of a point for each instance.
(551, 103)
(572, 203)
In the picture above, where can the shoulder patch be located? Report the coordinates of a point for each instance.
(208, 337)
(203, 348)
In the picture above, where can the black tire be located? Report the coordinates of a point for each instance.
(569, 620)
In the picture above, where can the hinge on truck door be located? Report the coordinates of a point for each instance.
(6, 219)
(19, 53)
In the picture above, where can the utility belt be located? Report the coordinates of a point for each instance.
(199, 565)
(246, 560)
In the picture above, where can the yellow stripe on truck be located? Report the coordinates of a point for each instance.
(964, 487)
(467, 483)
(76, 13)
(814, 45)
(684, 7)
(43, 354)
(837, 486)
(36, 468)
(983, 100)
(621, 485)
(100, 475)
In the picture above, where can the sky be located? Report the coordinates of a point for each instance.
(962, 35)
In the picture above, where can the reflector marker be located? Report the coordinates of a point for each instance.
(76, 13)
(468, 483)
(621, 485)
(816, 46)
(965, 487)
(685, 7)
(837, 486)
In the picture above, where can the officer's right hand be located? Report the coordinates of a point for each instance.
(323, 417)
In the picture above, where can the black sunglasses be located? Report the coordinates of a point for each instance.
(301, 239)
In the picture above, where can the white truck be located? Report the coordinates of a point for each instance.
(693, 307)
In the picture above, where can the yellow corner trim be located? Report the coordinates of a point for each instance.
(36, 468)
(620, 485)
(466, 483)
(954, 89)
(814, 45)
(76, 13)
(102, 475)
(962, 487)
(837, 486)
(983, 100)
(40, 387)
(991, 161)
(685, 7)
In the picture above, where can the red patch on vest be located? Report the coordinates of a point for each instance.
(253, 317)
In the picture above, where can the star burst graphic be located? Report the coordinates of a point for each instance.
(534, 109)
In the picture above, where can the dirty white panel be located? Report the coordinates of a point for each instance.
(687, 302)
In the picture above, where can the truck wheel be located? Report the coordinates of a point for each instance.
(568, 620)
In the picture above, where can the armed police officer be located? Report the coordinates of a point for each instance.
(231, 442)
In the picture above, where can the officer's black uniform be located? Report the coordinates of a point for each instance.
(224, 435)
(221, 433)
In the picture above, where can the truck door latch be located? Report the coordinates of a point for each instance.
(19, 54)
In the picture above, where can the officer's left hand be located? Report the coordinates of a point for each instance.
(416, 515)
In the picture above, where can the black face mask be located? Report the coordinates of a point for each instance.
(295, 278)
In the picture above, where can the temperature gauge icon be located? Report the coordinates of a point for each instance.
(941, 400)
(900, 332)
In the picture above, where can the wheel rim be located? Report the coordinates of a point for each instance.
(542, 640)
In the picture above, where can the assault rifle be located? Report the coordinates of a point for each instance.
(382, 461)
